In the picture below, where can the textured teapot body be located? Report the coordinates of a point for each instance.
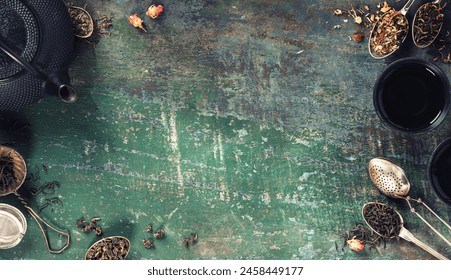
(41, 33)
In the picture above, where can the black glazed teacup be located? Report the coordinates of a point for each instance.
(439, 171)
(412, 95)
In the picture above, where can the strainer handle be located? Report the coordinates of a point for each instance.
(407, 7)
(408, 236)
(412, 209)
(40, 223)
(437, 216)
(431, 227)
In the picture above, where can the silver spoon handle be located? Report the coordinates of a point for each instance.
(429, 225)
(430, 210)
(408, 199)
(407, 7)
(408, 236)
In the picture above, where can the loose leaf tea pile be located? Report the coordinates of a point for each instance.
(7, 176)
(359, 237)
(383, 219)
(427, 23)
(83, 25)
(112, 248)
(388, 33)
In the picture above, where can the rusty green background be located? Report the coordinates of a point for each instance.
(249, 123)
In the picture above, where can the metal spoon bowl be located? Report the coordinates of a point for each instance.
(401, 15)
(389, 178)
(402, 232)
(417, 31)
(82, 21)
(109, 248)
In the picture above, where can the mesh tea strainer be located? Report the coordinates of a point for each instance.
(388, 178)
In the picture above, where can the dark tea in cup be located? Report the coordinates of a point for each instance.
(412, 95)
(439, 171)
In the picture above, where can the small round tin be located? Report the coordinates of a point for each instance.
(13, 226)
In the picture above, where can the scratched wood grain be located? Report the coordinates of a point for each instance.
(249, 123)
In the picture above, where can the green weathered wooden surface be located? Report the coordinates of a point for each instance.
(249, 123)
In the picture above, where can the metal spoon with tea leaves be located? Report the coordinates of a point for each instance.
(389, 32)
(427, 23)
(82, 21)
(109, 248)
(392, 181)
(388, 223)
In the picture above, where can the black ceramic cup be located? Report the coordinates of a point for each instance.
(439, 171)
(412, 95)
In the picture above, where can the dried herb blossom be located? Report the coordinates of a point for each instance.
(360, 232)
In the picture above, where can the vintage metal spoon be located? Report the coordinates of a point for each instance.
(109, 248)
(380, 45)
(82, 20)
(403, 232)
(425, 32)
(392, 181)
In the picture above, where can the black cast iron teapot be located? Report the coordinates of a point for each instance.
(36, 47)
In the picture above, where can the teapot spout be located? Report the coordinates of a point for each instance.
(67, 93)
(58, 83)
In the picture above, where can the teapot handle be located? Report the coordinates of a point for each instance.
(22, 62)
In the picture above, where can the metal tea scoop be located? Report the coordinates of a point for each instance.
(427, 23)
(109, 248)
(392, 181)
(385, 40)
(82, 21)
(395, 230)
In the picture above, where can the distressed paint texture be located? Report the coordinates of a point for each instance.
(249, 123)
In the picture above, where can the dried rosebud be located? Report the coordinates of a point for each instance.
(355, 245)
(358, 37)
(154, 11)
(136, 21)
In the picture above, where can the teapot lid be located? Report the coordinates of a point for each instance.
(19, 30)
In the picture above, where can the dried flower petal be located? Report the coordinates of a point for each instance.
(154, 11)
(136, 21)
(385, 8)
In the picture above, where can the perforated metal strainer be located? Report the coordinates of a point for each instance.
(388, 177)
